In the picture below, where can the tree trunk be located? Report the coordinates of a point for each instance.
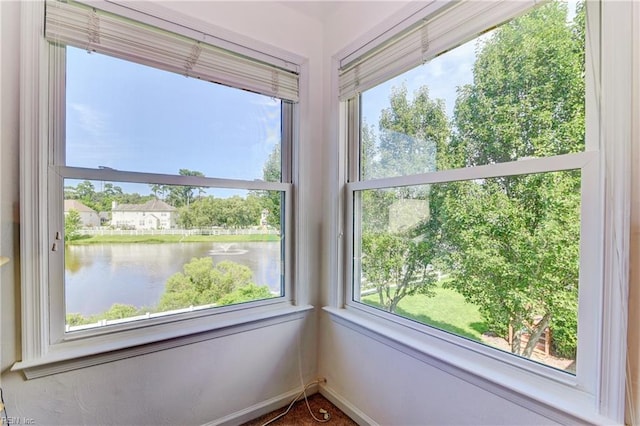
(535, 335)
(393, 304)
(515, 342)
(381, 296)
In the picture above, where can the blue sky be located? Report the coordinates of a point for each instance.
(131, 117)
(443, 75)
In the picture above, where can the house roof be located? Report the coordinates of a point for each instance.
(154, 205)
(76, 205)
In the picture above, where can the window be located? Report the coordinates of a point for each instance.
(474, 167)
(187, 182)
(156, 122)
(479, 249)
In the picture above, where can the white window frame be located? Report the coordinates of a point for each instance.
(596, 392)
(46, 348)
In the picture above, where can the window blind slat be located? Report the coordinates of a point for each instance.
(87, 28)
(423, 41)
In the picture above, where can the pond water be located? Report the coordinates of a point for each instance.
(99, 275)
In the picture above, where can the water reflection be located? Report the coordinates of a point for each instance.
(97, 276)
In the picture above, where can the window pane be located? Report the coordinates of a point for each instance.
(515, 92)
(132, 253)
(493, 260)
(132, 117)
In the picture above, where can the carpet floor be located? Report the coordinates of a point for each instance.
(299, 414)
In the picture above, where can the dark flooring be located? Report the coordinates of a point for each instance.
(299, 414)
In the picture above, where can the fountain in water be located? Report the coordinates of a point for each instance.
(226, 249)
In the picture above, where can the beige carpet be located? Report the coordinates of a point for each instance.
(299, 414)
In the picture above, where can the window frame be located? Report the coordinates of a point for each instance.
(596, 393)
(46, 348)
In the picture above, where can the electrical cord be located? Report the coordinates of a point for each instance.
(303, 392)
(3, 408)
(324, 412)
(327, 416)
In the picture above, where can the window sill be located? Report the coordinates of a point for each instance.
(563, 402)
(76, 354)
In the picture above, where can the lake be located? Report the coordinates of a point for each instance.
(99, 275)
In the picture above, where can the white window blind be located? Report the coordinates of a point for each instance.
(92, 29)
(445, 29)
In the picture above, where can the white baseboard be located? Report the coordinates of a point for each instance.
(349, 409)
(257, 410)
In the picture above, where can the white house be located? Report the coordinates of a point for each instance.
(154, 214)
(88, 216)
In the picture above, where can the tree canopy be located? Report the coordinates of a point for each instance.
(513, 242)
(203, 283)
(72, 224)
(399, 235)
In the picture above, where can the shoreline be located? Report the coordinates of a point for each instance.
(160, 239)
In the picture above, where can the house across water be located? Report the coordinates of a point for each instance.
(89, 218)
(154, 214)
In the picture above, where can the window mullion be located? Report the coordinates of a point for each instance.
(538, 165)
(151, 178)
(286, 144)
(55, 144)
(353, 136)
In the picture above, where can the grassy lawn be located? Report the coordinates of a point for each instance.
(447, 310)
(108, 239)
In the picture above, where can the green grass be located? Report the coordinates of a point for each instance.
(447, 310)
(151, 239)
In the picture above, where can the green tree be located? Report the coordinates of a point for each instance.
(399, 230)
(200, 283)
(103, 199)
(367, 151)
(181, 195)
(158, 190)
(397, 266)
(203, 283)
(272, 200)
(512, 242)
(118, 311)
(133, 198)
(70, 193)
(115, 312)
(72, 225)
(271, 172)
(246, 293)
(74, 319)
(200, 214)
(233, 212)
(413, 135)
(85, 190)
(238, 212)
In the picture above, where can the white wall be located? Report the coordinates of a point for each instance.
(9, 204)
(393, 388)
(192, 384)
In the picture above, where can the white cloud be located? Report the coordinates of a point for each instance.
(90, 142)
(89, 119)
